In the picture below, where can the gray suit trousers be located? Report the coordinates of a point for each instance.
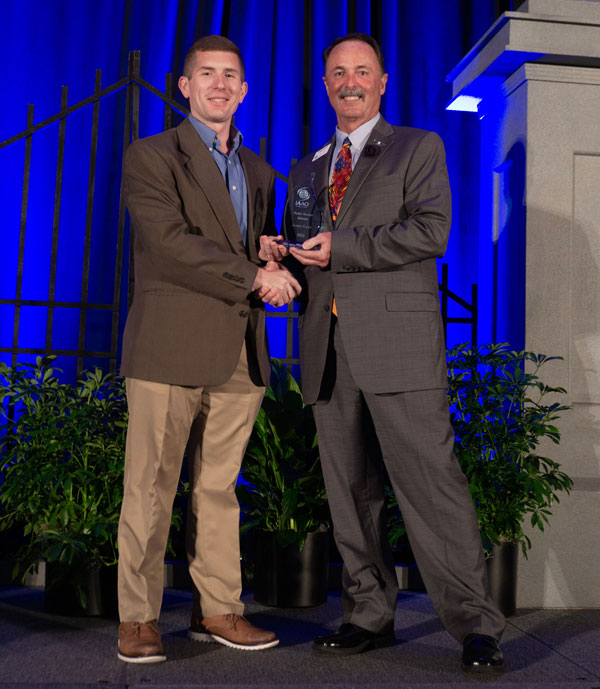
(411, 431)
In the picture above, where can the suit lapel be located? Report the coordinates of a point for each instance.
(252, 188)
(381, 138)
(204, 170)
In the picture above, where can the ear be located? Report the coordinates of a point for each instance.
(184, 86)
(326, 87)
(382, 83)
(244, 91)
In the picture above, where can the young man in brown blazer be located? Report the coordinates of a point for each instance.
(373, 363)
(194, 352)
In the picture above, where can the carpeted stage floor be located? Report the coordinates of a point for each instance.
(555, 649)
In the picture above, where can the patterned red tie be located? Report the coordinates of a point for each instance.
(342, 171)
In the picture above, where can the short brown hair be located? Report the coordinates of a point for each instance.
(365, 38)
(207, 43)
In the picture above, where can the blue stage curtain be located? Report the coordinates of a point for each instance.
(47, 43)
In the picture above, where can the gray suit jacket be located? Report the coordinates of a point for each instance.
(191, 310)
(393, 223)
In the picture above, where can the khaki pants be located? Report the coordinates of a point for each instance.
(215, 423)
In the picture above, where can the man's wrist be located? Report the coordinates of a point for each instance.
(256, 286)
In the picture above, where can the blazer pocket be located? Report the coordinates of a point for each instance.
(411, 301)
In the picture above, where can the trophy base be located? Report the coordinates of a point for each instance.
(295, 245)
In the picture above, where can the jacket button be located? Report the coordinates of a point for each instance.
(243, 314)
(326, 308)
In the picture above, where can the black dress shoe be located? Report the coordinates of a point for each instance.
(343, 629)
(350, 638)
(481, 654)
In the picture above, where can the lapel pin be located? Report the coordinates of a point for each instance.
(371, 151)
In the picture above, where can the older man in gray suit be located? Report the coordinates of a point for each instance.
(373, 362)
(194, 352)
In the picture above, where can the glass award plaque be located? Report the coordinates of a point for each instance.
(303, 218)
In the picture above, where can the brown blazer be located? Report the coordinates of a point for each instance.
(393, 223)
(191, 308)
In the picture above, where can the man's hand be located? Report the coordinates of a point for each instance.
(275, 285)
(270, 250)
(319, 258)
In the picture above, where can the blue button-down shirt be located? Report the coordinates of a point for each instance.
(231, 169)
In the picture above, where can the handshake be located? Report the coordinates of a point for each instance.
(275, 285)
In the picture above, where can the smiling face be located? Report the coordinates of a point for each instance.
(354, 83)
(215, 87)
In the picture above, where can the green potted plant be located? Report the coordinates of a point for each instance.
(61, 480)
(501, 411)
(62, 474)
(283, 498)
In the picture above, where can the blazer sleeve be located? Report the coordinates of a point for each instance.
(422, 234)
(178, 250)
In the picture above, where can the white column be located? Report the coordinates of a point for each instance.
(537, 73)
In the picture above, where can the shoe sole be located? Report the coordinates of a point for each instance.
(361, 648)
(200, 636)
(215, 638)
(142, 659)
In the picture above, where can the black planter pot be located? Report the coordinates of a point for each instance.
(403, 554)
(288, 577)
(502, 577)
(98, 584)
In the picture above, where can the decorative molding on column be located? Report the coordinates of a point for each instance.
(535, 71)
(578, 9)
(525, 37)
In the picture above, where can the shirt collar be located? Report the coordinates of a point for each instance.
(359, 136)
(210, 137)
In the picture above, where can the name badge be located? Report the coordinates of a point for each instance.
(321, 152)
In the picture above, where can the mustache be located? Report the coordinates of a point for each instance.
(351, 92)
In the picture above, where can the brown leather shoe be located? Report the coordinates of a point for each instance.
(140, 642)
(197, 631)
(231, 630)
